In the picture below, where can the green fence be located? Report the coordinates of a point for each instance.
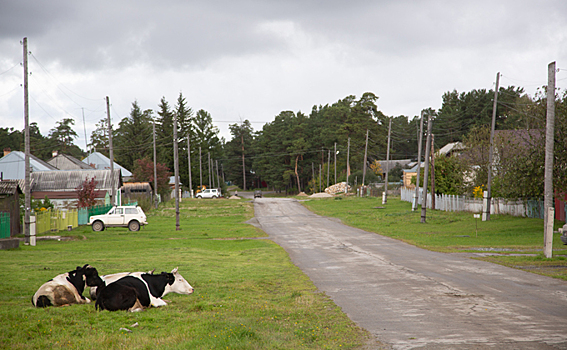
(4, 225)
(99, 209)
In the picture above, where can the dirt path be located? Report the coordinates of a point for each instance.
(412, 298)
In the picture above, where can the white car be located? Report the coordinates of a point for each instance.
(121, 216)
(209, 193)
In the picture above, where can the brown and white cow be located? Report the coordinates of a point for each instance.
(67, 288)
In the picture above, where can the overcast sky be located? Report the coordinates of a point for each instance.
(253, 59)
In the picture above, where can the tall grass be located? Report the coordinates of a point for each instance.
(248, 295)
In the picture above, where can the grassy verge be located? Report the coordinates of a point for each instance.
(248, 295)
(451, 231)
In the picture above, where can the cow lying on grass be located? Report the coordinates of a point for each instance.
(135, 293)
(67, 288)
(179, 285)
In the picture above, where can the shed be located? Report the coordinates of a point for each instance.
(10, 203)
(133, 191)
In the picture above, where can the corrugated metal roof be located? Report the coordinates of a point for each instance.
(69, 180)
(100, 161)
(13, 165)
(8, 187)
(67, 162)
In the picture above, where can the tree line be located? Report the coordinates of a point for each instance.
(297, 151)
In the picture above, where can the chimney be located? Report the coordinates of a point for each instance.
(54, 154)
(7, 151)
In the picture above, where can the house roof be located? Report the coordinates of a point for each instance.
(392, 163)
(9, 187)
(13, 165)
(451, 147)
(67, 162)
(100, 162)
(69, 180)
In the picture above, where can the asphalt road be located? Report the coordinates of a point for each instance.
(409, 298)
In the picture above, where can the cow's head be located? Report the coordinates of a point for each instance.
(91, 276)
(179, 285)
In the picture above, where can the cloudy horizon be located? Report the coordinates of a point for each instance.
(253, 59)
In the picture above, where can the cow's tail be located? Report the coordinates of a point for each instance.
(42, 301)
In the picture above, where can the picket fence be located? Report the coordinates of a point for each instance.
(53, 220)
(526, 208)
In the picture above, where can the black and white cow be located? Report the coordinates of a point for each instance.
(133, 293)
(67, 288)
(179, 286)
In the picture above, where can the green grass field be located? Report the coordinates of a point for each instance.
(248, 295)
(451, 231)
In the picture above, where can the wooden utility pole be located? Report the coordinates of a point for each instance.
(320, 178)
(365, 153)
(426, 170)
(387, 163)
(111, 154)
(335, 162)
(209, 167)
(486, 214)
(243, 163)
(414, 207)
(189, 165)
(328, 168)
(218, 180)
(200, 170)
(155, 167)
(432, 171)
(176, 170)
(548, 179)
(348, 161)
(313, 172)
(27, 189)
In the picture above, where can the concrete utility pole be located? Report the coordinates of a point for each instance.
(416, 198)
(176, 170)
(85, 130)
(27, 189)
(335, 162)
(426, 170)
(155, 167)
(111, 154)
(486, 214)
(200, 169)
(189, 165)
(432, 171)
(364, 165)
(548, 179)
(385, 197)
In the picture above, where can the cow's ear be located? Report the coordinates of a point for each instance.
(175, 270)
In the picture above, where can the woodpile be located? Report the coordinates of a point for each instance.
(337, 188)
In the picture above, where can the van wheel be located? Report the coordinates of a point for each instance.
(98, 226)
(134, 225)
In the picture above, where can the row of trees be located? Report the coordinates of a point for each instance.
(291, 151)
